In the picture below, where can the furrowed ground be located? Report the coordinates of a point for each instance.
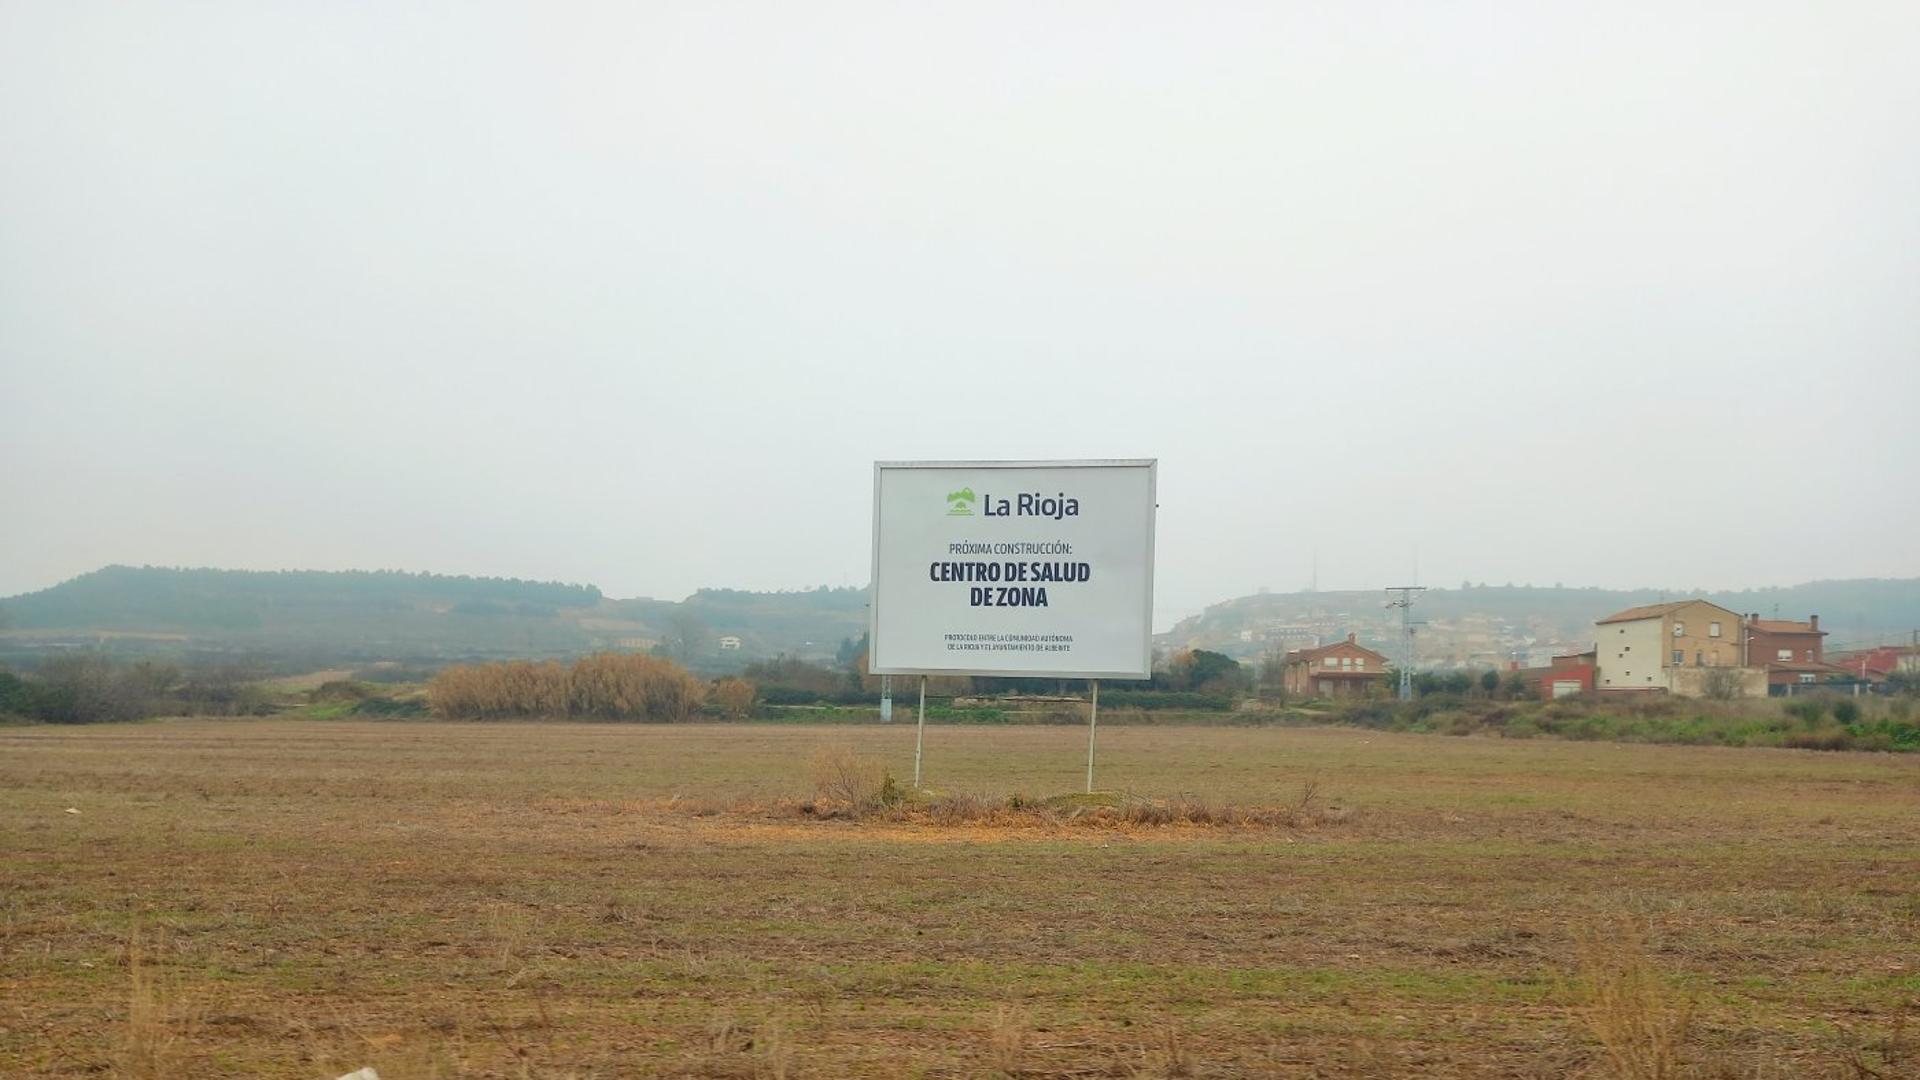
(297, 899)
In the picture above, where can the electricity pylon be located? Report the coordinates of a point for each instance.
(1405, 603)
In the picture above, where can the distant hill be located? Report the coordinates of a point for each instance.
(173, 599)
(358, 615)
(808, 623)
(322, 618)
(355, 613)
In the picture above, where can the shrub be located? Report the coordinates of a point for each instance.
(630, 686)
(391, 673)
(794, 676)
(1807, 710)
(339, 690)
(1846, 711)
(788, 695)
(1832, 738)
(1640, 1021)
(604, 686)
(16, 695)
(960, 808)
(1371, 714)
(858, 783)
(1165, 699)
(734, 697)
(224, 689)
(1590, 728)
(1518, 688)
(390, 708)
(515, 688)
(1900, 734)
(86, 689)
(1721, 684)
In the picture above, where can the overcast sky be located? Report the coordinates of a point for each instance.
(634, 294)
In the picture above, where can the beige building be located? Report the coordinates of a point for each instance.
(1670, 648)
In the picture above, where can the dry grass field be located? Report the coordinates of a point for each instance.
(297, 899)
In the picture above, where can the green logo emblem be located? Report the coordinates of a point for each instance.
(960, 503)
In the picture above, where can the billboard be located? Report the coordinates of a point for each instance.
(1036, 568)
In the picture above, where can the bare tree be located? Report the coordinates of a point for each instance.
(1721, 684)
(685, 634)
(1273, 668)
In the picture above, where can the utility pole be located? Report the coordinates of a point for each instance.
(1405, 603)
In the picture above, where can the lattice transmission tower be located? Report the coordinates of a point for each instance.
(1404, 601)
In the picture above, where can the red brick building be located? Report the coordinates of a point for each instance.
(1568, 676)
(1878, 664)
(1791, 652)
(1342, 669)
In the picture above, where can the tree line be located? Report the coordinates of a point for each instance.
(247, 599)
(87, 688)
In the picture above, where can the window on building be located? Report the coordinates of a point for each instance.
(1713, 629)
(1699, 658)
(1785, 655)
(1807, 677)
(1360, 663)
(1679, 657)
(1679, 628)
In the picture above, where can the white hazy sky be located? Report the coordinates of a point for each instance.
(633, 294)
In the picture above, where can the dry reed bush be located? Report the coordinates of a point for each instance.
(1893, 1054)
(773, 1051)
(621, 686)
(1007, 1037)
(515, 688)
(734, 1050)
(604, 686)
(1168, 1055)
(855, 783)
(1309, 811)
(153, 1044)
(1640, 1020)
(962, 809)
(735, 698)
(1125, 811)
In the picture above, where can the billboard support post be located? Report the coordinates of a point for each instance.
(920, 732)
(1093, 727)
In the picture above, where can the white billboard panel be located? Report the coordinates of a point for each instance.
(1040, 568)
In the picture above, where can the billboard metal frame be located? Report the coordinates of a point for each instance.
(1145, 671)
